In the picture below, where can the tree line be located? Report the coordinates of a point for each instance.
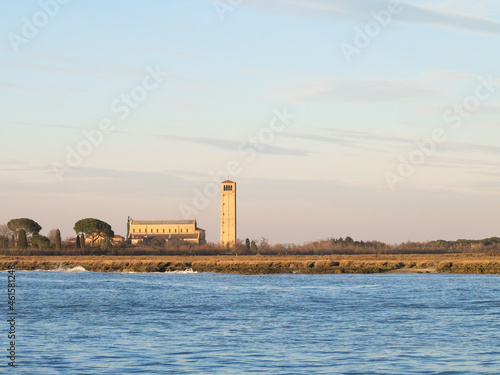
(24, 233)
(94, 237)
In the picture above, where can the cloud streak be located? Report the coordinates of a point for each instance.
(359, 10)
(359, 90)
(382, 142)
(220, 143)
(232, 145)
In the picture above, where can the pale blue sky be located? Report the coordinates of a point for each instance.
(323, 175)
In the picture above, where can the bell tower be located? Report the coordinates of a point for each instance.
(228, 214)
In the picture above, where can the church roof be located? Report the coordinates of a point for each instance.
(161, 222)
(173, 236)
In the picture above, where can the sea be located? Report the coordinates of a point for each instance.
(79, 322)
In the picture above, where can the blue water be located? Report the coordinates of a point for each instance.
(102, 323)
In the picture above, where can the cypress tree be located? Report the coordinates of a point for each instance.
(82, 241)
(58, 239)
(22, 241)
(78, 242)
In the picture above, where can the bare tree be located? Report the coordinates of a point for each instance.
(5, 231)
(52, 235)
(5, 236)
(264, 243)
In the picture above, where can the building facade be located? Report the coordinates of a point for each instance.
(228, 213)
(139, 231)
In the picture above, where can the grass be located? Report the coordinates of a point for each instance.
(476, 263)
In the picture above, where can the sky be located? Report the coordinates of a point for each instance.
(370, 119)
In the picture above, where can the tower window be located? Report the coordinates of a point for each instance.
(139, 230)
(163, 230)
(133, 230)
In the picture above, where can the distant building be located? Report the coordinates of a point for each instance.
(139, 231)
(116, 240)
(228, 213)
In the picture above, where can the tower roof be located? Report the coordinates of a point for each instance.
(228, 181)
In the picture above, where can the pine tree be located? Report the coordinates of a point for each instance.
(22, 241)
(58, 240)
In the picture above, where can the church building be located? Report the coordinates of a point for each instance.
(139, 231)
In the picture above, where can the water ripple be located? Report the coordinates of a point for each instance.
(91, 323)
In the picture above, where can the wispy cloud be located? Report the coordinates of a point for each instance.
(164, 50)
(15, 162)
(185, 104)
(75, 67)
(359, 90)
(387, 143)
(106, 181)
(364, 135)
(41, 125)
(38, 66)
(233, 145)
(220, 143)
(358, 10)
(470, 148)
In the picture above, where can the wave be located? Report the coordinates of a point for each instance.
(70, 270)
(188, 270)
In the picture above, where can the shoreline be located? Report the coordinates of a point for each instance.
(261, 265)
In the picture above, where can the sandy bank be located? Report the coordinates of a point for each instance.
(305, 264)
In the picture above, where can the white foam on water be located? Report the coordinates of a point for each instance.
(70, 270)
(77, 269)
(189, 270)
